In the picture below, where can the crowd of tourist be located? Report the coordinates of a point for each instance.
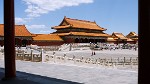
(107, 46)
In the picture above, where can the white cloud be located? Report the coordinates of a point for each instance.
(45, 31)
(21, 20)
(38, 7)
(36, 26)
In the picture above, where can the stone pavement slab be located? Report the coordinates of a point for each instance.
(26, 78)
(39, 72)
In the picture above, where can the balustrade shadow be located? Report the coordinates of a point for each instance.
(29, 78)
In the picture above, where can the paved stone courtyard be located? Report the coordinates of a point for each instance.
(78, 74)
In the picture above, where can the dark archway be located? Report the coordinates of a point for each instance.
(91, 40)
(24, 42)
(85, 40)
(76, 40)
(102, 40)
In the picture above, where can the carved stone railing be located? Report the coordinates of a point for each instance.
(34, 57)
(114, 62)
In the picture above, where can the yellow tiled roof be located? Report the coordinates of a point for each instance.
(47, 37)
(110, 39)
(118, 35)
(20, 30)
(1, 30)
(59, 27)
(83, 34)
(61, 34)
(129, 39)
(75, 23)
(132, 34)
(134, 38)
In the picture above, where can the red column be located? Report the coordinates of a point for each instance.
(9, 39)
(144, 43)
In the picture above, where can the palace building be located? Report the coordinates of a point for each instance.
(80, 31)
(47, 39)
(120, 38)
(133, 36)
(22, 36)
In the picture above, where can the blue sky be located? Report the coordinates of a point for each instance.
(40, 15)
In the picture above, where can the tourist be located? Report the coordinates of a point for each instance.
(92, 53)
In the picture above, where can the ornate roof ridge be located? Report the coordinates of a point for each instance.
(80, 20)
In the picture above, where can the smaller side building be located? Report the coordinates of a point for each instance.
(22, 36)
(111, 40)
(47, 40)
(133, 36)
(120, 38)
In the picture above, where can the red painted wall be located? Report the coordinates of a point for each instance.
(69, 40)
(45, 43)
